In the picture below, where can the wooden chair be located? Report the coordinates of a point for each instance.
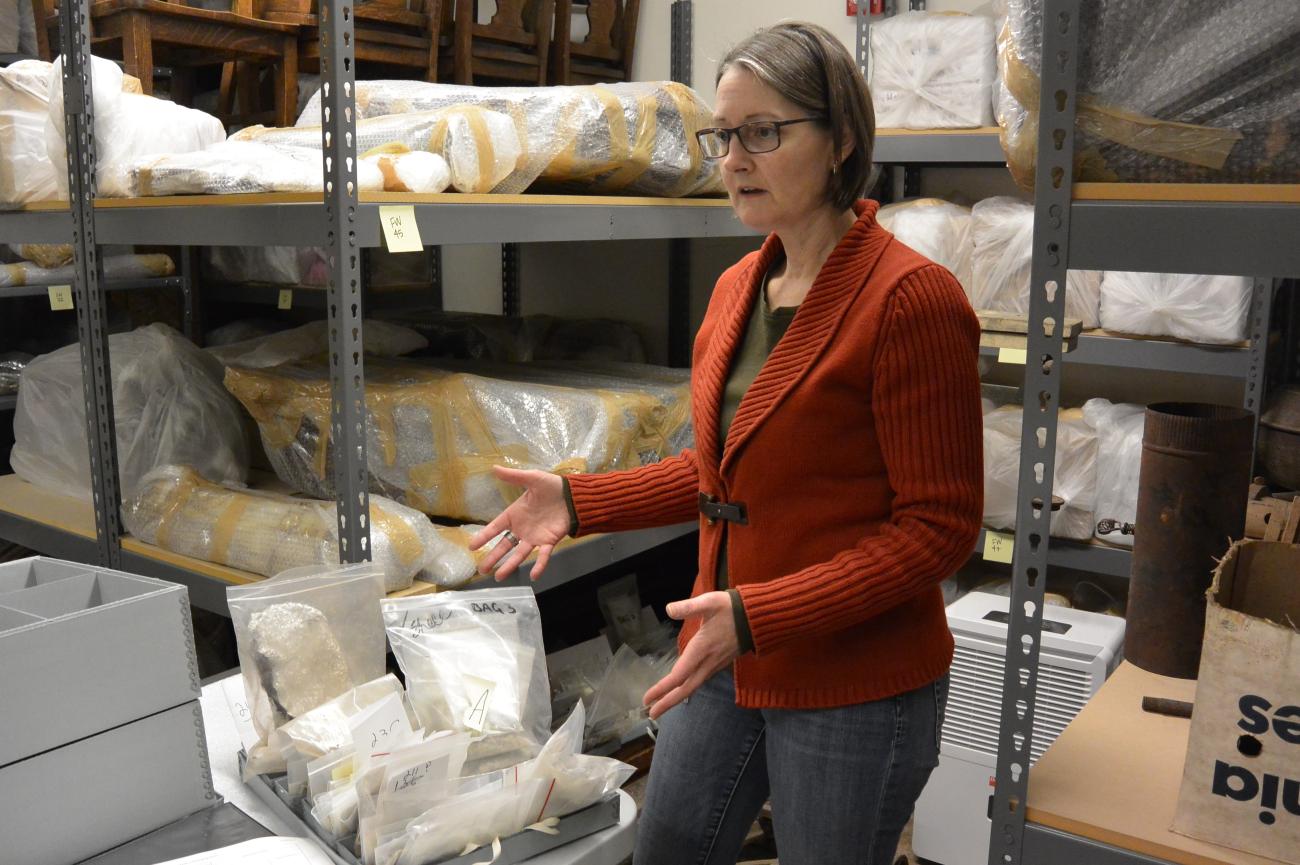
(392, 37)
(145, 32)
(512, 48)
(606, 53)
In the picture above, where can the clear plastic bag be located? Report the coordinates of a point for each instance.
(268, 533)
(169, 408)
(1002, 231)
(473, 660)
(1119, 428)
(576, 780)
(619, 705)
(275, 265)
(452, 563)
(576, 673)
(933, 70)
(27, 173)
(473, 819)
(1208, 309)
(115, 267)
(380, 338)
(937, 229)
(305, 639)
(1075, 479)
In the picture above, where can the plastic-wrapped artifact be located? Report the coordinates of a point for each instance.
(12, 364)
(474, 336)
(933, 70)
(1119, 428)
(1002, 231)
(169, 408)
(1075, 481)
(277, 265)
(937, 229)
(381, 338)
(637, 138)
(433, 435)
(1219, 102)
(26, 172)
(1211, 309)
(115, 267)
(268, 533)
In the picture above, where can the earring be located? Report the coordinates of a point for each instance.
(835, 168)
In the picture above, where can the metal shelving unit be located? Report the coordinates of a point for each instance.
(8, 401)
(345, 225)
(940, 146)
(1231, 237)
(37, 289)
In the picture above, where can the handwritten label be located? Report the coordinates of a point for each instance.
(480, 697)
(401, 234)
(286, 299)
(232, 689)
(381, 730)
(493, 607)
(1012, 355)
(60, 297)
(419, 623)
(998, 547)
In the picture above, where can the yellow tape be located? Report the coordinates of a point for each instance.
(403, 540)
(637, 161)
(483, 148)
(183, 489)
(224, 531)
(14, 274)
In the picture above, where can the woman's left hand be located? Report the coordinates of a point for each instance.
(713, 647)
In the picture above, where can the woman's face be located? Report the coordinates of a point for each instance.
(781, 188)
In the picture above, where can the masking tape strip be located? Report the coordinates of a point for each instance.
(224, 531)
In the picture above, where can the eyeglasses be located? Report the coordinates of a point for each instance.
(757, 136)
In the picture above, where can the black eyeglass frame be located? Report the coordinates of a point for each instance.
(734, 132)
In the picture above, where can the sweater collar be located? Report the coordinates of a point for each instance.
(837, 284)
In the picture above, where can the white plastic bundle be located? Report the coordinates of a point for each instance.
(933, 70)
(380, 338)
(1210, 309)
(128, 127)
(637, 138)
(1002, 230)
(26, 171)
(480, 148)
(1075, 480)
(169, 408)
(268, 533)
(233, 167)
(937, 229)
(433, 435)
(1119, 428)
(115, 267)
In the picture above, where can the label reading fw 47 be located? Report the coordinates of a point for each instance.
(1265, 727)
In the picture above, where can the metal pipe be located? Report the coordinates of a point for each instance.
(1192, 492)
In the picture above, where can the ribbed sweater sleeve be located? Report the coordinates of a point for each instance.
(660, 494)
(926, 401)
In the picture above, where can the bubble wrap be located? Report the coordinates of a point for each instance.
(115, 267)
(433, 435)
(481, 148)
(1211, 309)
(300, 660)
(933, 70)
(47, 255)
(168, 406)
(267, 533)
(1075, 480)
(1218, 102)
(380, 338)
(637, 138)
(1002, 231)
(234, 167)
(935, 228)
(12, 364)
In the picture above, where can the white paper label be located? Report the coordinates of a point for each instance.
(382, 729)
(480, 697)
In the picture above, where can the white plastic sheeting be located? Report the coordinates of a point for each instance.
(1119, 428)
(1210, 309)
(933, 70)
(937, 229)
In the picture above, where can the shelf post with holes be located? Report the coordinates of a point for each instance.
(88, 287)
(347, 433)
(1042, 389)
(679, 249)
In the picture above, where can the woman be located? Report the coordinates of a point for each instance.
(838, 480)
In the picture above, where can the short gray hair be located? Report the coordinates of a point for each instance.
(807, 65)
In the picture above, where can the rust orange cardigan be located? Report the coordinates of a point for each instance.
(858, 453)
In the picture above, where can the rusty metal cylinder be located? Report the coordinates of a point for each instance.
(1192, 491)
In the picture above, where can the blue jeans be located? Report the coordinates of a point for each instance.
(842, 781)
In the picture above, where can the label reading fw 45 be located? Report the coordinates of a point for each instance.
(1264, 726)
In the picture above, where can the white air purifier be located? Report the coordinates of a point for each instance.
(1078, 651)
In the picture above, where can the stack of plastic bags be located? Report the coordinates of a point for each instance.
(1075, 481)
(937, 229)
(169, 408)
(433, 435)
(460, 759)
(933, 71)
(1002, 231)
(1218, 103)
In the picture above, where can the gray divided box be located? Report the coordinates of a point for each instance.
(102, 734)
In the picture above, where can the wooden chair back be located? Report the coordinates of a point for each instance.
(513, 47)
(606, 54)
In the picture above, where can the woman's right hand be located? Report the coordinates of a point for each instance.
(539, 519)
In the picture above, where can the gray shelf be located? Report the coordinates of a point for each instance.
(599, 551)
(36, 289)
(512, 220)
(1155, 354)
(1082, 556)
(955, 147)
(1043, 844)
(8, 401)
(1246, 239)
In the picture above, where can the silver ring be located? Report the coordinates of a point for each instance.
(511, 538)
